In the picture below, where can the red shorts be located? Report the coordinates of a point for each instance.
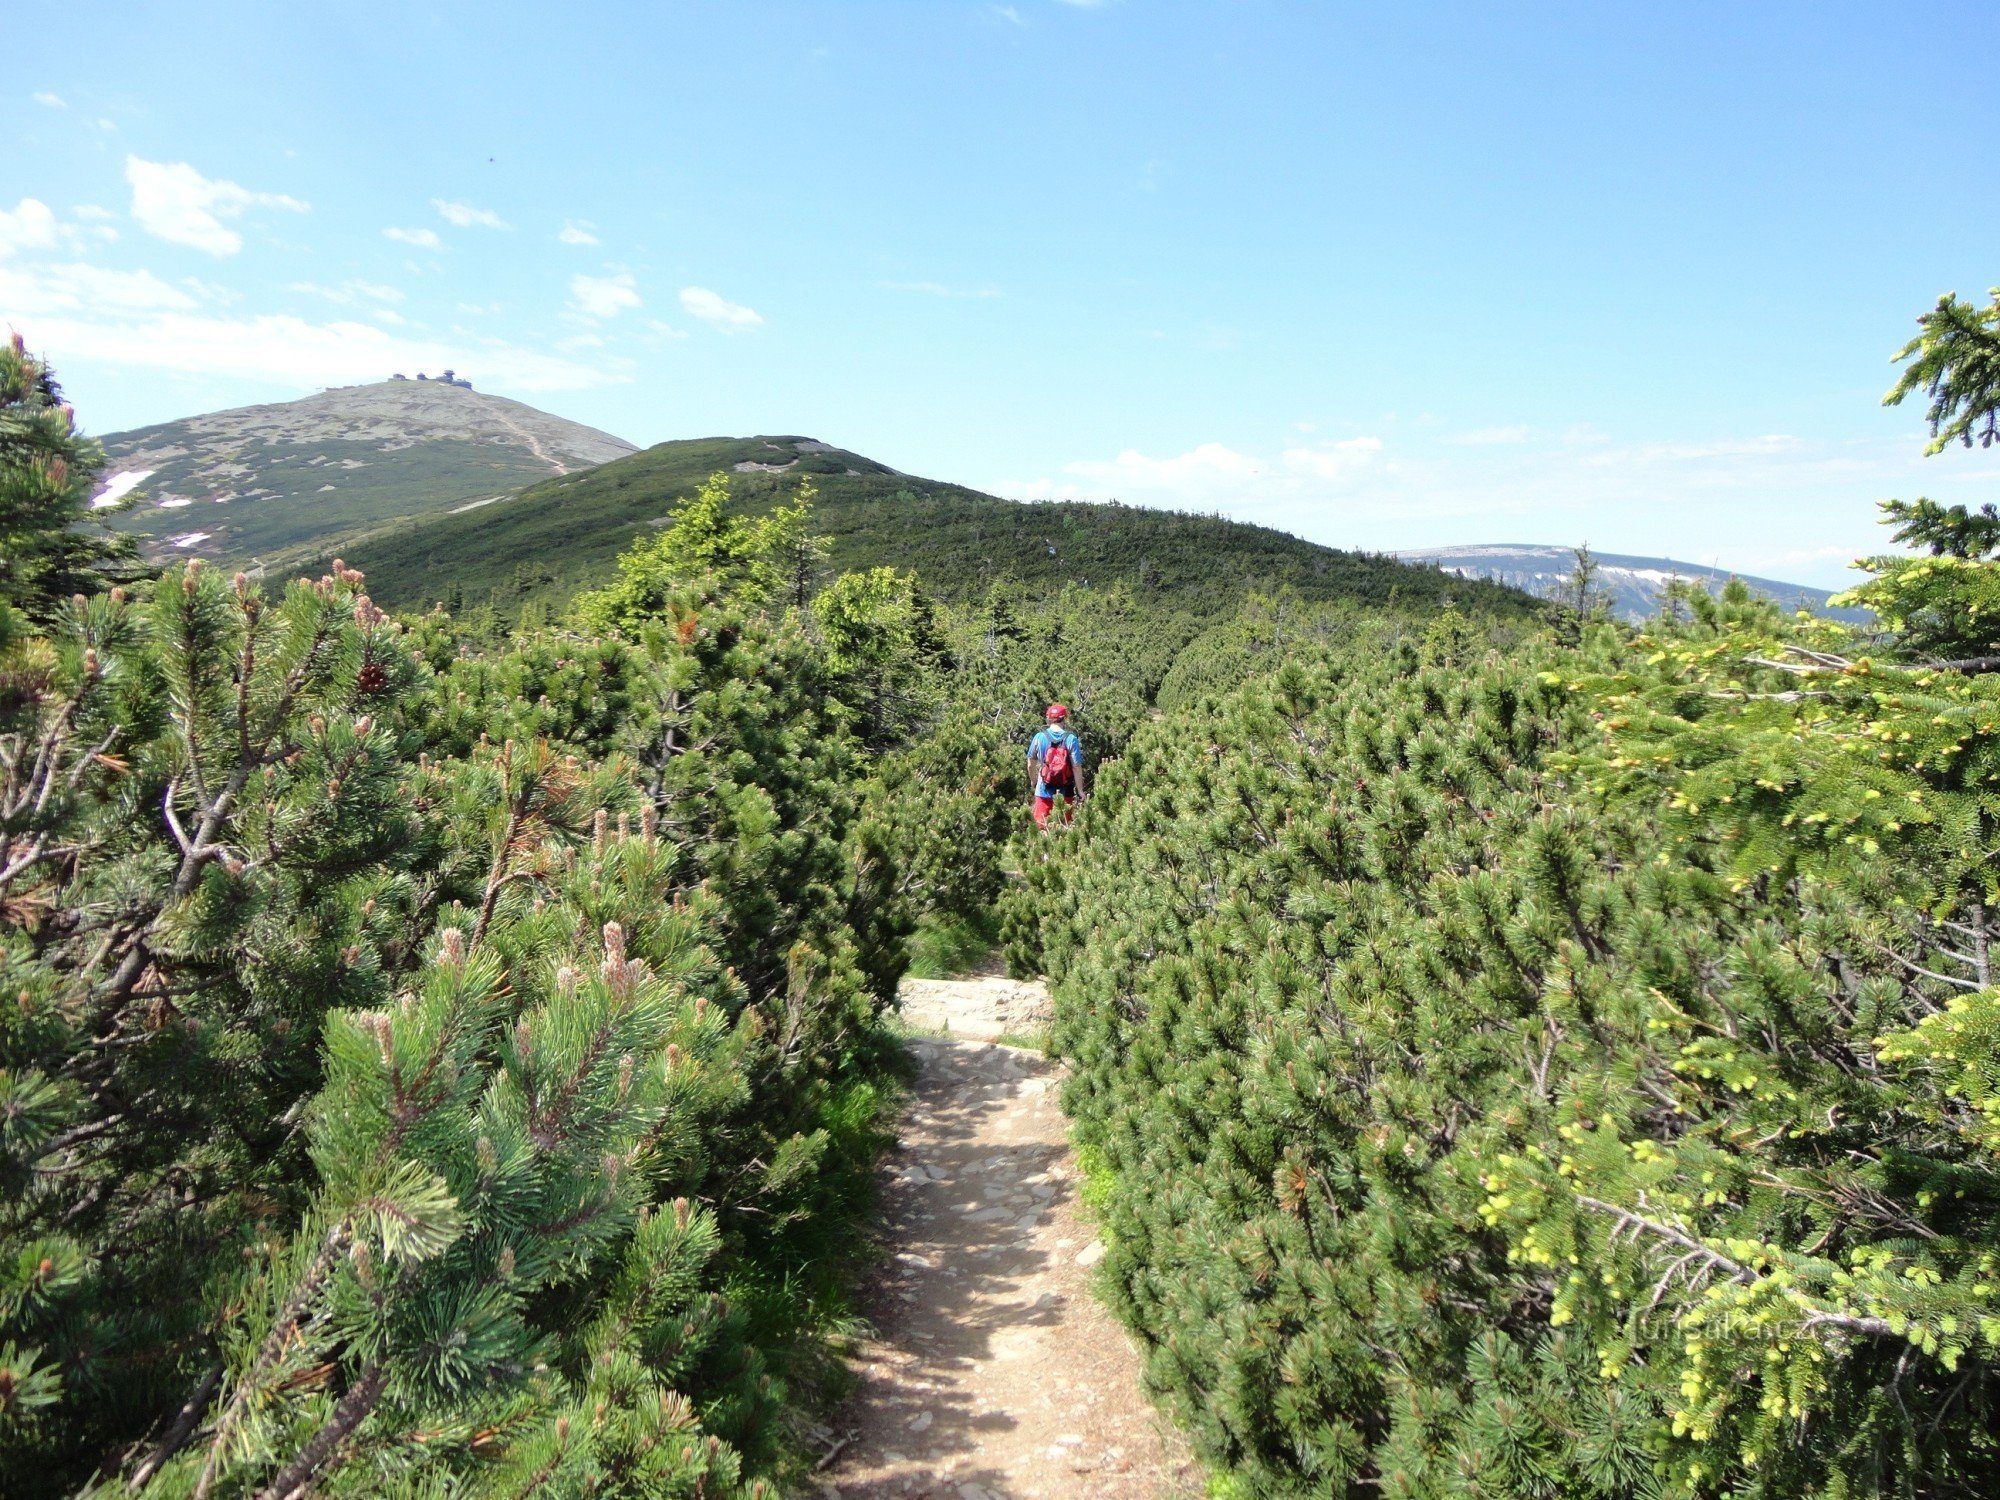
(1045, 805)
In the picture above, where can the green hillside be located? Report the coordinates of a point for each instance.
(564, 533)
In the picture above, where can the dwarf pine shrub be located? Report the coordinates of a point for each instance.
(432, 1064)
(1488, 1104)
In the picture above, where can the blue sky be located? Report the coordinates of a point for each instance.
(1383, 275)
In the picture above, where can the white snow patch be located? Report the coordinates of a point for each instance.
(121, 485)
(175, 503)
(459, 510)
(191, 539)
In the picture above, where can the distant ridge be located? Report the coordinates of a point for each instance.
(444, 494)
(1634, 583)
(242, 484)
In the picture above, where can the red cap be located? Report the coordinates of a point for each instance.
(1057, 713)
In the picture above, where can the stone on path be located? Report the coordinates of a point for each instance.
(995, 1374)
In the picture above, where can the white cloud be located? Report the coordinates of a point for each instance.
(666, 330)
(717, 311)
(31, 226)
(347, 293)
(1333, 460)
(939, 289)
(175, 202)
(1788, 560)
(289, 350)
(423, 239)
(92, 213)
(465, 216)
(1739, 500)
(603, 296)
(74, 288)
(1487, 437)
(1192, 474)
(1207, 476)
(577, 232)
(52, 101)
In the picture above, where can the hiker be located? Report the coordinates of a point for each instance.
(1055, 766)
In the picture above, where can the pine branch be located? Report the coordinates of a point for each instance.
(1919, 969)
(1822, 661)
(180, 1431)
(496, 876)
(1638, 1223)
(273, 1347)
(348, 1413)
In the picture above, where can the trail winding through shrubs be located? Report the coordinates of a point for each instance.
(993, 1374)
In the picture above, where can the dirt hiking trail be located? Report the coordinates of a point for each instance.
(993, 1374)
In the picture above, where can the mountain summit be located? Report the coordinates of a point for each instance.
(237, 484)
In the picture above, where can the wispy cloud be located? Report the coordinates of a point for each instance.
(79, 287)
(604, 296)
(174, 202)
(347, 293)
(133, 319)
(718, 311)
(465, 216)
(577, 232)
(1206, 475)
(940, 289)
(1008, 13)
(423, 239)
(50, 101)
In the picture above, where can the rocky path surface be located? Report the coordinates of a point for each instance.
(993, 1373)
(534, 443)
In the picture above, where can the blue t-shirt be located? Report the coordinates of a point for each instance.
(1038, 750)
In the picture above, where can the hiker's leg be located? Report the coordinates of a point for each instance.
(1069, 809)
(1042, 806)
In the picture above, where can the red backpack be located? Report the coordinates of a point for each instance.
(1057, 769)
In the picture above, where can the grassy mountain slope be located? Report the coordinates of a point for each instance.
(564, 534)
(247, 484)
